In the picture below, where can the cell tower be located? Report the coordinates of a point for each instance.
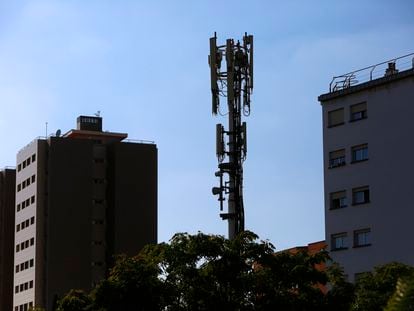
(236, 83)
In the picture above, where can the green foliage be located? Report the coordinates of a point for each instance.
(342, 292)
(133, 284)
(75, 300)
(374, 289)
(403, 297)
(207, 272)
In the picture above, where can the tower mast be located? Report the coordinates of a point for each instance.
(235, 83)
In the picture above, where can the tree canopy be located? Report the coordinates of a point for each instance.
(208, 272)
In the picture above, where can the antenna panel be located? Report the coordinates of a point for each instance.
(244, 135)
(212, 60)
(230, 70)
(219, 141)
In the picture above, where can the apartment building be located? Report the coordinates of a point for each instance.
(81, 197)
(7, 203)
(368, 166)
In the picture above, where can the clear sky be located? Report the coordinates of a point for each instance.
(143, 64)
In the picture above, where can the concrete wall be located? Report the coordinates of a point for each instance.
(69, 205)
(388, 172)
(133, 195)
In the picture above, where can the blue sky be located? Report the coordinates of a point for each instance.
(143, 64)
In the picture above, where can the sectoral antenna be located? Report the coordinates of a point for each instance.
(234, 82)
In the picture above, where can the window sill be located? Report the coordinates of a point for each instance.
(357, 161)
(338, 249)
(359, 119)
(362, 203)
(336, 208)
(359, 246)
(335, 125)
(335, 166)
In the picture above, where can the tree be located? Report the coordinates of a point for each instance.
(374, 289)
(75, 300)
(403, 297)
(133, 284)
(342, 292)
(207, 272)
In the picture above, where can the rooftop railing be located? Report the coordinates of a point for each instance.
(373, 72)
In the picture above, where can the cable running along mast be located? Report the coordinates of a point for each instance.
(236, 83)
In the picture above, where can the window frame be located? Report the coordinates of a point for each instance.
(332, 160)
(329, 125)
(365, 190)
(332, 205)
(355, 149)
(367, 238)
(334, 237)
(364, 113)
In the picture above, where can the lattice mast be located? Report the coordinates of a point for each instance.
(235, 83)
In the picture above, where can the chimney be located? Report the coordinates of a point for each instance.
(390, 70)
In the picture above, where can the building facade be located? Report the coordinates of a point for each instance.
(368, 167)
(7, 206)
(80, 199)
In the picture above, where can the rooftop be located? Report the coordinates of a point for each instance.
(390, 70)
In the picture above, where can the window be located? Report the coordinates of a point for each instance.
(362, 237)
(358, 112)
(32, 199)
(28, 161)
(360, 195)
(338, 199)
(33, 178)
(33, 157)
(19, 167)
(338, 241)
(336, 158)
(19, 187)
(336, 117)
(360, 153)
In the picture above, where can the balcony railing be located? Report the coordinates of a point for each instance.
(373, 72)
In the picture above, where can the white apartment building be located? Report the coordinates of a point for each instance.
(25, 228)
(368, 166)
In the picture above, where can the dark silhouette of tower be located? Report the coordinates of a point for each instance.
(236, 83)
